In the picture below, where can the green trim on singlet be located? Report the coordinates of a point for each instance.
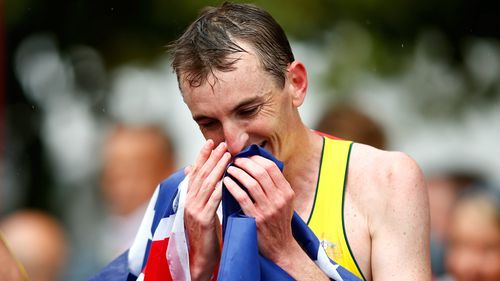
(317, 182)
(343, 221)
(327, 217)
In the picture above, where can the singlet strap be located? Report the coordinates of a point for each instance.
(327, 216)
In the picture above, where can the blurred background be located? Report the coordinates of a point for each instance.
(90, 100)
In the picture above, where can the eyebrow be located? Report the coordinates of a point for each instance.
(241, 104)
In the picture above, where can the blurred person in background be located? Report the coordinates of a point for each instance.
(38, 240)
(346, 121)
(444, 188)
(473, 251)
(135, 159)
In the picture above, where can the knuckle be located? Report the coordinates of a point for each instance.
(290, 195)
(268, 213)
(205, 185)
(260, 173)
(259, 219)
(189, 213)
(253, 185)
(269, 166)
(203, 173)
(280, 204)
(245, 201)
(240, 198)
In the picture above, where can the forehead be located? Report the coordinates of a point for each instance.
(248, 79)
(481, 215)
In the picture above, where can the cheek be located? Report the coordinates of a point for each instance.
(263, 127)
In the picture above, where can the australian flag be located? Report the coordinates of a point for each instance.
(160, 251)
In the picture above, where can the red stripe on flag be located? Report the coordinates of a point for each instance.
(157, 268)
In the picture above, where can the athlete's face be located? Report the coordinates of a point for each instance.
(474, 247)
(242, 107)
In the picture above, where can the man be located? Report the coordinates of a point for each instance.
(135, 159)
(444, 188)
(473, 253)
(39, 241)
(239, 79)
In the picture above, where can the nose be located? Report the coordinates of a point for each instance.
(235, 137)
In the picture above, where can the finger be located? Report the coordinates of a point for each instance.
(273, 171)
(211, 162)
(215, 176)
(204, 154)
(249, 183)
(214, 199)
(257, 172)
(203, 169)
(241, 196)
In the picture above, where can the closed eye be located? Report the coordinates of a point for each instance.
(249, 111)
(208, 124)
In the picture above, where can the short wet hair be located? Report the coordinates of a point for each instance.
(207, 43)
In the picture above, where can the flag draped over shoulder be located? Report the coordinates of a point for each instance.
(240, 242)
(160, 250)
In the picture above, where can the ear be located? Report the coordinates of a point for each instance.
(297, 77)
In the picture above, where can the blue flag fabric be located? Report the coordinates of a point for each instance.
(240, 256)
(147, 258)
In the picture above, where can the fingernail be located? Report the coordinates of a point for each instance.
(221, 146)
(208, 143)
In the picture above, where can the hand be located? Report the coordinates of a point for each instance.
(202, 200)
(272, 205)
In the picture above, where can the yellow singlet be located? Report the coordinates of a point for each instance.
(327, 217)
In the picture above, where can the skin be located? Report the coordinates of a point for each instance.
(474, 252)
(386, 208)
(10, 269)
(38, 241)
(135, 160)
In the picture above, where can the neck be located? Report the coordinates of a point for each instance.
(302, 168)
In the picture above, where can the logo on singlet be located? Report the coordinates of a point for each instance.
(331, 249)
(327, 245)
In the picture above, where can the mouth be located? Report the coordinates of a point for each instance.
(263, 144)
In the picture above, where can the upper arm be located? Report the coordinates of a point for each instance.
(400, 230)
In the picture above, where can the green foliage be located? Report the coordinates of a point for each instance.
(358, 36)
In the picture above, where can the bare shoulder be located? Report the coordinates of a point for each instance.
(383, 179)
(385, 169)
(386, 214)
